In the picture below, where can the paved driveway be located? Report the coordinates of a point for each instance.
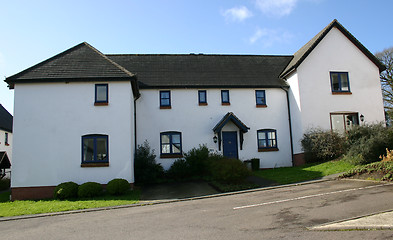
(282, 213)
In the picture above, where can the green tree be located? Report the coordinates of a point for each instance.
(386, 57)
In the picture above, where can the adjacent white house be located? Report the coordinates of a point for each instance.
(5, 142)
(80, 115)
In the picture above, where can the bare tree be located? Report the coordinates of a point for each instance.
(386, 57)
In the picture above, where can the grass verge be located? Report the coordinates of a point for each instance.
(376, 171)
(306, 172)
(27, 207)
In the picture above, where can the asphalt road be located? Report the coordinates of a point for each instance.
(282, 213)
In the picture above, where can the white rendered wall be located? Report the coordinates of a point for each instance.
(196, 122)
(336, 53)
(50, 120)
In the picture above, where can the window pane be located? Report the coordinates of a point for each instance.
(101, 149)
(260, 96)
(202, 96)
(176, 148)
(101, 93)
(271, 135)
(261, 143)
(165, 139)
(335, 82)
(176, 138)
(164, 94)
(165, 148)
(261, 135)
(344, 82)
(165, 102)
(338, 123)
(350, 121)
(88, 150)
(225, 96)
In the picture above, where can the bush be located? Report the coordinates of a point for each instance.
(322, 145)
(5, 184)
(145, 168)
(197, 159)
(117, 186)
(388, 157)
(89, 189)
(66, 190)
(369, 142)
(180, 170)
(228, 170)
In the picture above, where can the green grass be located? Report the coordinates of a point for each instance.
(26, 207)
(306, 172)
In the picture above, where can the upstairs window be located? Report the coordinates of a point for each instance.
(339, 82)
(6, 139)
(267, 140)
(202, 97)
(165, 99)
(171, 145)
(225, 97)
(260, 98)
(95, 149)
(101, 94)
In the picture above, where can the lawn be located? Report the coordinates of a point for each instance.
(16, 208)
(306, 172)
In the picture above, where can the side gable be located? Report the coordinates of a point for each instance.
(79, 63)
(303, 52)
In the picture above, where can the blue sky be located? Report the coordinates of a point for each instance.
(32, 31)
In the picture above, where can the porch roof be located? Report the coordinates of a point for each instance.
(230, 117)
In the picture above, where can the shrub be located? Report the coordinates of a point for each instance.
(320, 145)
(197, 159)
(66, 190)
(180, 170)
(146, 169)
(388, 157)
(89, 189)
(117, 186)
(228, 170)
(369, 142)
(5, 184)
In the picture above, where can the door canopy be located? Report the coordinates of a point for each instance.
(230, 117)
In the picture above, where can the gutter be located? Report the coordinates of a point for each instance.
(289, 121)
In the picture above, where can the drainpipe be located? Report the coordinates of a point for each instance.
(290, 122)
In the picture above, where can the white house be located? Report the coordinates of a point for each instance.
(5, 141)
(80, 115)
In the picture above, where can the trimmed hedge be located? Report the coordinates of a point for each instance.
(117, 186)
(90, 189)
(66, 190)
(228, 170)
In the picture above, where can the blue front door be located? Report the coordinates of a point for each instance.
(229, 144)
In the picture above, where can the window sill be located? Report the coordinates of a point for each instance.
(341, 93)
(267, 149)
(165, 107)
(225, 104)
(202, 104)
(95, 165)
(100, 104)
(261, 106)
(171, 155)
(6, 144)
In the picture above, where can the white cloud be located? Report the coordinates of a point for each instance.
(278, 8)
(237, 13)
(268, 37)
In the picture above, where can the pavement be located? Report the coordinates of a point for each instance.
(188, 191)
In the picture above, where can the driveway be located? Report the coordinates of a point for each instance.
(281, 213)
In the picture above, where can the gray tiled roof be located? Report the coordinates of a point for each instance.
(303, 52)
(82, 62)
(200, 70)
(5, 119)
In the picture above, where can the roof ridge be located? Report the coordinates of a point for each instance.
(198, 54)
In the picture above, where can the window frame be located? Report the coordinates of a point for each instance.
(267, 139)
(339, 83)
(222, 97)
(171, 154)
(95, 162)
(165, 106)
(200, 102)
(101, 102)
(263, 103)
